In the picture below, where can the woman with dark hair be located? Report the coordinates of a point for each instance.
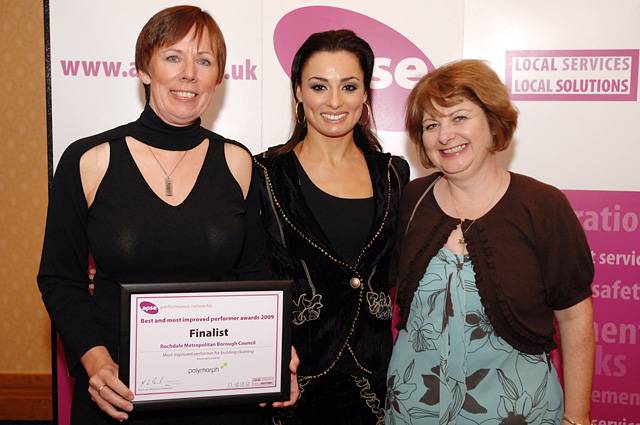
(160, 199)
(487, 260)
(330, 202)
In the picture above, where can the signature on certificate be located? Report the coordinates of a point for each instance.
(153, 380)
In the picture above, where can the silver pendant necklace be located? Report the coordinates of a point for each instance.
(168, 184)
(461, 241)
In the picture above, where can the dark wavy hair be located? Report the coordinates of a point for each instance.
(334, 41)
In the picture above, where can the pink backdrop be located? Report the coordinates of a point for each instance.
(579, 122)
(612, 223)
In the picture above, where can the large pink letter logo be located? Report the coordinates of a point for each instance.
(399, 63)
(148, 307)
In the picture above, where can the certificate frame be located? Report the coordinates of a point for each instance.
(131, 295)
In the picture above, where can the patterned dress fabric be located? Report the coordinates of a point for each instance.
(449, 367)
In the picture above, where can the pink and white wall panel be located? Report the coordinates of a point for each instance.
(571, 66)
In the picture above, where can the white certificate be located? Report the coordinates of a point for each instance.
(207, 344)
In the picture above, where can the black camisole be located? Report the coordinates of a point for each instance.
(345, 222)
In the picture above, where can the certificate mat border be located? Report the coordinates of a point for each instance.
(130, 289)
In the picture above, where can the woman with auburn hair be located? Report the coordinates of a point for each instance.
(160, 199)
(487, 260)
(330, 206)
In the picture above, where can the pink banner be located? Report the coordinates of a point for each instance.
(582, 75)
(611, 221)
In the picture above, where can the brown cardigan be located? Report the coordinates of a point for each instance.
(529, 254)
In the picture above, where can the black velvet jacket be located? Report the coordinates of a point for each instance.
(339, 309)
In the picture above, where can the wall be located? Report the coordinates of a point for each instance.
(576, 91)
(564, 142)
(25, 361)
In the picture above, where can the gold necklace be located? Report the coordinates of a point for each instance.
(461, 240)
(168, 183)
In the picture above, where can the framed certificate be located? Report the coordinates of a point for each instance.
(205, 343)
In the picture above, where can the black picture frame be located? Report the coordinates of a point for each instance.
(282, 286)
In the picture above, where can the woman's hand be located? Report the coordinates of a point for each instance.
(294, 392)
(106, 390)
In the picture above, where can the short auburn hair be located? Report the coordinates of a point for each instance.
(171, 25)
(451, 83)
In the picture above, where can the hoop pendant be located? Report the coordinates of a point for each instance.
(368, 120)
(304, 118)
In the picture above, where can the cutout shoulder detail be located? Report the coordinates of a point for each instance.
(93, 167)
(240, 164)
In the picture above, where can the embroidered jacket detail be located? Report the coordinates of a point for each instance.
(370, 398)
(380, 305)
(305, 309)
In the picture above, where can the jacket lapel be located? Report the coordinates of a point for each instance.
(378, 164)
(291, 202)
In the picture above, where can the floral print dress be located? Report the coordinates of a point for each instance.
(449, 367)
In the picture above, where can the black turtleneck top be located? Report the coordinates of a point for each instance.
(134, 236)
(151, 130)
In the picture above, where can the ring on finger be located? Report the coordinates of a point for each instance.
(101, 388)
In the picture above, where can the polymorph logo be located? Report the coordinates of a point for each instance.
(399, 63)
(149, 307)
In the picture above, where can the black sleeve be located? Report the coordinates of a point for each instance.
(63, 275)
(564, 254)
(401, 168)
(253, 263)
